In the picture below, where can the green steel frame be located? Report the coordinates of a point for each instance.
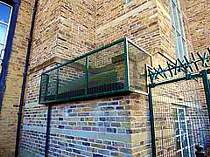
(124, 41)
(202, 74)
(173, 68)
(169, 74)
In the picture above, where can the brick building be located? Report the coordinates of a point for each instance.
(55, 32)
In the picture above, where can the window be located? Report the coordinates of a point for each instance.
(178, 30)
(5, 17)
(183, 148)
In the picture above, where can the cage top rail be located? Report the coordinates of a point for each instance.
(121, 40)
(188, 66)
(100, 72)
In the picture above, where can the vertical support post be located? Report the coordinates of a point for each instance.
(207, 89)
(126, 62)
(152, 125)
(86, 75)
(48, 130)
(57, 81)
(40, 89)
(47, 82)
(42, 96)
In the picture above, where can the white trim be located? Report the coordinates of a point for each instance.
(6, 4)
(4, 23)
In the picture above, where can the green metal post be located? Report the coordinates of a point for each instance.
(152, 125)
(126, 57)
(57, 82)
(47, 82)
(40, 89)
(86, 73)
(46, 87)
(207, 89)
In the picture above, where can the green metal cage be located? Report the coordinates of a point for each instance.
(116, 68)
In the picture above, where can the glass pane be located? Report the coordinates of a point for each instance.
(3, 31)
(186, 152)
(189, 127)
(177, 128)
(192, 150)
(178, 143)
(191, 140)
(181, 24)
(179, 29)
(176, 18)
(179, 20)
(174, 113)
(4, 12)
(174, 14)
(183, 127)
(181, 114)
(178, 45)
(184, 141)
(180, 48)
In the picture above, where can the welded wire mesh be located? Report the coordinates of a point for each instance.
(90, 75)
(181, 118)
(112, 69)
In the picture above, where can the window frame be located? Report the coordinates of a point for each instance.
(8, 47)
(7, 30)
(180, 133)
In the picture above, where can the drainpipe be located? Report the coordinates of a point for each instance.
(21, 105)
(47, 140)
